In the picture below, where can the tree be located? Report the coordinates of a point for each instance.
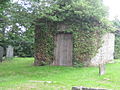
(14, 31)
(3, 21)
(3, 6)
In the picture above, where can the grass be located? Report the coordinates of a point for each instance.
(20, 74)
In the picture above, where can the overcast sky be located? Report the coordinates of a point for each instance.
(114, 8)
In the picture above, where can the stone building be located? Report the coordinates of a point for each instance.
(106, 52)
(70, 49)
(64, 50)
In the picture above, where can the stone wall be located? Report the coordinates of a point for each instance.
(106, 52)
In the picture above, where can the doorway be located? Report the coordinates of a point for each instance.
(63, 49)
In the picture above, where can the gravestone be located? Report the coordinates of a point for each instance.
(85, 88)
(101, 69)
(9, 52)
(1, 53)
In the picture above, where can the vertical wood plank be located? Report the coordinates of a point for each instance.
(63, 50)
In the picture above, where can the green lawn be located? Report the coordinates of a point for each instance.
(20, 74)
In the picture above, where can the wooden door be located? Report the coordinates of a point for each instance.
(63, 50)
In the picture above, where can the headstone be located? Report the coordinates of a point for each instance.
(85, 88)
(9, 53)
(101, 69)
(1, 53)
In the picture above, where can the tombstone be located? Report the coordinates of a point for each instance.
(9, 53)
(1, 53)
(85, 88)
(101, 69)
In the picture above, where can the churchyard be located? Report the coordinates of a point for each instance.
(58, 45)
(20, 74)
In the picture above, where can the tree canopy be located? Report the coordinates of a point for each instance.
(3, 18)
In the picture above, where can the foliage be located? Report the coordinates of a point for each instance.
(19, 74)
(117, 38)
(3, 19)
(3, 5)
(23, 45)
(117, 45)
(15, 33)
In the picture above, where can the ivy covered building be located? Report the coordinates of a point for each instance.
(73, 32)
(64, 49)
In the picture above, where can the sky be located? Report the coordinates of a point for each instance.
(114, 8)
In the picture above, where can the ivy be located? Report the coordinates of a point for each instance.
(116, 22)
